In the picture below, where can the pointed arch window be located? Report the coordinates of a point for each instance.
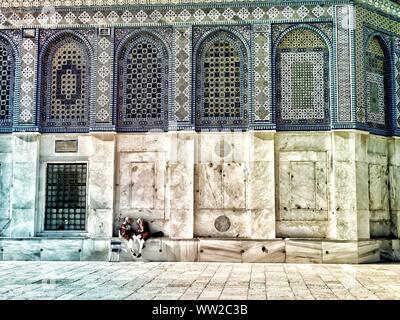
(377, 84)
(143, 69)
(302, 79)
(66, 86)
(221, 82)
(7, 78)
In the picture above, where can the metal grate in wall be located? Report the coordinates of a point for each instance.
(65, 197)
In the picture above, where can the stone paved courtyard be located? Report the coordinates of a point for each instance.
(134, 281)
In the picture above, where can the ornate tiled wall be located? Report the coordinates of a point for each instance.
(262, 74)
(343, 60)
(9, 59)
(182, 106)
(377, 90)
(66, 72)
(302, 74)
(222, 96)
(369, 24)
(184, 30)
(104, 110)
(143, 83)
(397, 77)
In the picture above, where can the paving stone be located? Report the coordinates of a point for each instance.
(189, 281)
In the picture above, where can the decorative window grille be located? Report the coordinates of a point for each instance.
(6, 84)
(377, 83)
(143, 85)
(302, 79)
(65, 197)
(66, 86)
(222, 83)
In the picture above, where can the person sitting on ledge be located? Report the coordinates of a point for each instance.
(126, 231)
(142, 235)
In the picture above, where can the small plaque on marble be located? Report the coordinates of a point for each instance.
(63, 146)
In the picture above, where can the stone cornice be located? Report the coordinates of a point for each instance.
(85, 3)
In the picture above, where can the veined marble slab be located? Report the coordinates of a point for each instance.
(220, 250)
(368, 251)
(339, 252)
(20, 250)
(263, 251)
(61, 249)
(298, 251)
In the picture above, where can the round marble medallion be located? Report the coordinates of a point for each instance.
(222, 223)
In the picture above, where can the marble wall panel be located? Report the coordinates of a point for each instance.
(155, 250)
(181, 224)
(377, 145)
(220, 250)
(305, 141)
(101, 185)
(99, 222)
(381, 228)
(385, 250)
(6, 145)
(262, 146)
(378, 187)
(263, 251)
(150, 142)
(394, 151)
(362, 186)
(368, 251)
(213, 148)
(380, 224)
(234, 179)
(223, 146)
(102, 146)
(61, 249)
(22, 223)
(24, 185)
(182, 250)
(5, 191)
(95, 249)
(394, 191)
(143, 185)
(263, 224)
(339, 252)
(5, 221)
(298, 251)
(301, 229)
(261, 191)
(361, 145)
(344, 144)
(210, 185)
(395, 224)
(240, 223)
(303, 184)
(21, 250)
(345, 195)
(24, 182)
(142, 191)
(181, 167)
(181, 186)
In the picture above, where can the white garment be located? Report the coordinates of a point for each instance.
(137, 244)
